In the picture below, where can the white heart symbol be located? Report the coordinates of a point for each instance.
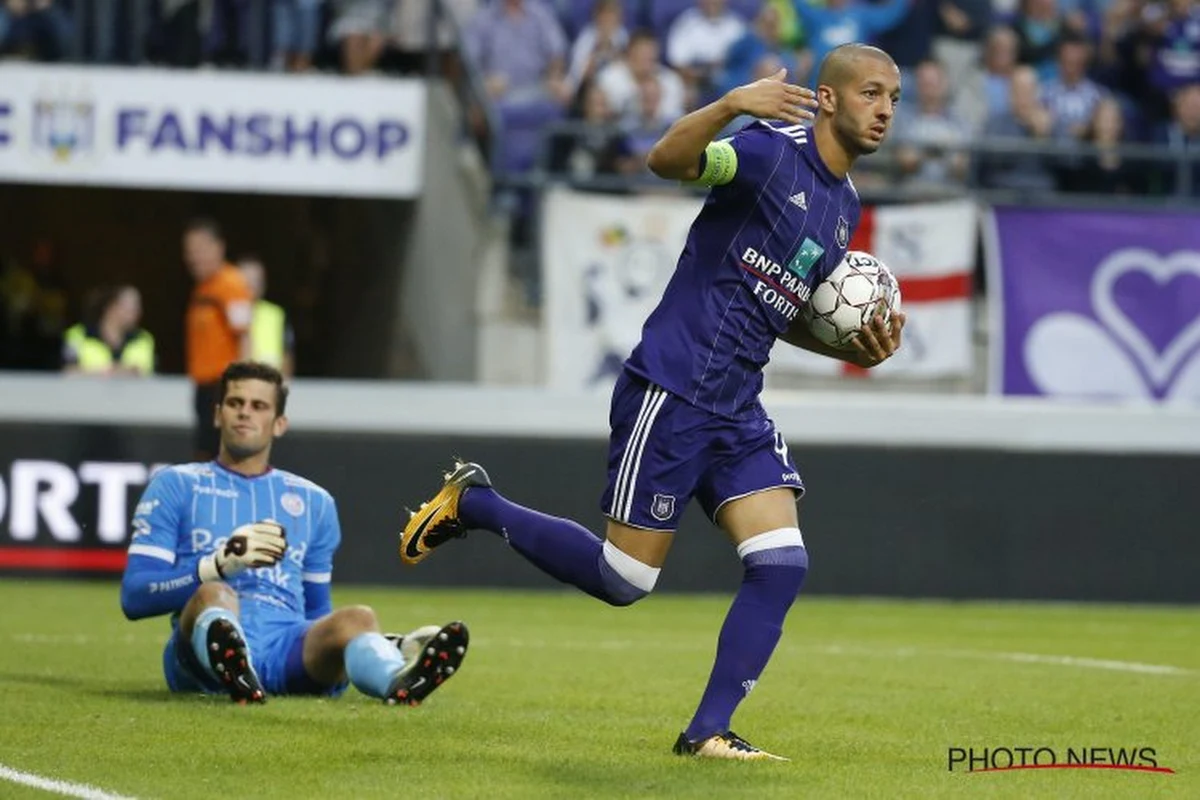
(1158, 366)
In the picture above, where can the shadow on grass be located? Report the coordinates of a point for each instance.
(101, 688)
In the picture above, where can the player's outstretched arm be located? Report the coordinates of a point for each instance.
(876, 342)
(676, 156)
(151, 587)
(155, 583)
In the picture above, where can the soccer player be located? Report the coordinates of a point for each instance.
(241, 554)
(686, 417)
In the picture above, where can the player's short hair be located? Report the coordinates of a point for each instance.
(838, 64)
(255, 371)
(204, 225)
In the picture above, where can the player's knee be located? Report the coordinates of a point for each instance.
(216, 594)
(781, 551)
(353, 620)
(626, 580)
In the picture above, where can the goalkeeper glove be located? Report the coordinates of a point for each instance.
(259, 544)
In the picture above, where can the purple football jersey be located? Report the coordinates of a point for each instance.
(758, 248)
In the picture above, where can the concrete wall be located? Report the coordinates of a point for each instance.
(908, 495)
(444, 251)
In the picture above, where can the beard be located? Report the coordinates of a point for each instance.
(855, 143)
(241, 452)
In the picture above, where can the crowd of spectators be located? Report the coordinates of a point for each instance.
(1101, 73)
(1096, 72)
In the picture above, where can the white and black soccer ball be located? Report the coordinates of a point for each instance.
(847, 299)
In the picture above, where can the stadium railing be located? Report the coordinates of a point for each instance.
(1183, 165)
(472, 96)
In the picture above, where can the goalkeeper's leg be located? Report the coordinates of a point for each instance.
(347, 645)
(219, 648)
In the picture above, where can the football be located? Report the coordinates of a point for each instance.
(845, 301)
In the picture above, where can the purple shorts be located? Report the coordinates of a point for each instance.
(664, 451)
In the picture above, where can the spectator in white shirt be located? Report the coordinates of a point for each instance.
(1072, 97)
(930, 139)
(620, 79)
(699, 41)
(599, 44)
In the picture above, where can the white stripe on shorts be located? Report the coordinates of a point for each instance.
(616, 503)
(631, 462)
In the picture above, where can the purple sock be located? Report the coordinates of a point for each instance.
(559, 547)
(748, 637)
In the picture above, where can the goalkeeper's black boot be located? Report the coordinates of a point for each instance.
(434, 664)
(230, 661)
(437, 521)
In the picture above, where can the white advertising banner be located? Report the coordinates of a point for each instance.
(216, 131)
(606, 260)
(931, 249)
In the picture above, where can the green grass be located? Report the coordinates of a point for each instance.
(562, 697)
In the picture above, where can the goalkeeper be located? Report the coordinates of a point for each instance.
(240, 555)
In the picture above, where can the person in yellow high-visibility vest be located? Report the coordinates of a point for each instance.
(110, 342)
(271, 339)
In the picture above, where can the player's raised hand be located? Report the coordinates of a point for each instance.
(259, 544)
(878, 340)
(773, 98)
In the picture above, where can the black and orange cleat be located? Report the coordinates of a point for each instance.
(230, 661)
(437, 521)
(436, 663)
(726, 745)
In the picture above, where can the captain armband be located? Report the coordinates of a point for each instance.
(718, 164)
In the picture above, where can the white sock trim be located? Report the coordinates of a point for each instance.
(780, 537)
(643, 576)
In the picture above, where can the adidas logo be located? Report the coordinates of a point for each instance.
(799, 200)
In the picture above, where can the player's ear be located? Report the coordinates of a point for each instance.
(279, 426)
(827, 99)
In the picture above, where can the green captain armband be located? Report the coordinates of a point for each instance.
(718, 165)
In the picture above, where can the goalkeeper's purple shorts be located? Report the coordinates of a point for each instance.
(276, 653)
(664, 451)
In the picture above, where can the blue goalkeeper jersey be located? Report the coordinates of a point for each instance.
(760, 245)
(190, 510)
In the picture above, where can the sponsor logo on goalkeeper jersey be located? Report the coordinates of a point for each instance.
(214, 491)
(292, 503)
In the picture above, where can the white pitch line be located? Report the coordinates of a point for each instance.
(1021, 658)
(1095, 663)
(1082, 662)
(81, 790)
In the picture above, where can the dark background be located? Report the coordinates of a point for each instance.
(885, 521)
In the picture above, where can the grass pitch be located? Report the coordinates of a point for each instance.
(562, 697)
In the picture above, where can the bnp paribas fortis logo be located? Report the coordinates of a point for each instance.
(64, 127)
(1010, 758)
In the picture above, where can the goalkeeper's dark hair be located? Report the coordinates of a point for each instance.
(255, 371)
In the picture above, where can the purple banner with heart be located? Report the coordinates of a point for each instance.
(1095, 304)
